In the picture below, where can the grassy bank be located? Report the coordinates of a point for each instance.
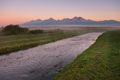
(99, 62)
(19, 42)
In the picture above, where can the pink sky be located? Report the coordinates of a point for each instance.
(20, 11)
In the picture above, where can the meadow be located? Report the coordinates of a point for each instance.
(101, 61)
(19, 42)
(13, 43)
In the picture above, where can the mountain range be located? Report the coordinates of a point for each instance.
(67, 21)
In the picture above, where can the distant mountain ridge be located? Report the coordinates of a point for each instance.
(67, 21)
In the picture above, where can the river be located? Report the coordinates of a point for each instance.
(45, 61)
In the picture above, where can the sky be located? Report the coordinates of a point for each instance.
(20, 11)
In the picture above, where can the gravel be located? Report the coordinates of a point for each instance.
(45, 61)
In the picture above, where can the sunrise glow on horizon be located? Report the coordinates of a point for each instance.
(20, 11)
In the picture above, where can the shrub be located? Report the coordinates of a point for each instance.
(13, 30)
(35, 31)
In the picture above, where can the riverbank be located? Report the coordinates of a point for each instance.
(99, 62)
(14, 43)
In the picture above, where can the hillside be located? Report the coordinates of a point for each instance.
(99, 62)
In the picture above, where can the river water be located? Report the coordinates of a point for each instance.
(45, 61)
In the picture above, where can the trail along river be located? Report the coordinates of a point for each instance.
(45, 61)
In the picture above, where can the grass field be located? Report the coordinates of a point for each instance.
(99, 62)
(18, 42)
(24, 41)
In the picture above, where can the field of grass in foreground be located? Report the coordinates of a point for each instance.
(19, 42)
(99, 62)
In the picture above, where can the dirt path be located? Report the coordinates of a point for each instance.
(45, 61)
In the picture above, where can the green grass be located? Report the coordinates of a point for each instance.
(19, 42)
(99, 62)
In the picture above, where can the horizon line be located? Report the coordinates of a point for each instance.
(71, 18)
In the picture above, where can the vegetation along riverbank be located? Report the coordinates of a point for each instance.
(14, 38)
(99, 62)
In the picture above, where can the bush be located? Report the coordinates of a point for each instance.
(13, 30)
(35, 31)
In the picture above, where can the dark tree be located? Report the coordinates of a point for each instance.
(13, 30)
